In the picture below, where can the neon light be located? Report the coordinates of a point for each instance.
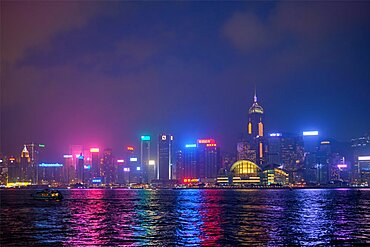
(151, 162)
(325, 142)
(130, 148)
(87, 167)
(66, 156)
(50, 165)
(211, 145)
(126, 169)
(41, 145)
(120, 161)
(275, 134)
(94, 150)
(206, 141)
(133, 159)
(80, 157)
(191, 145)
(364, 158)
(341, 166)
(145, 138)
(311, 133)
(138, 168)
(164, 137)
(96, 180)
(171, 138)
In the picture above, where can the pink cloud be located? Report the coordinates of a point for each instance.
(26, 24)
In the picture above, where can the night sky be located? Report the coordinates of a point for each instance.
(102, 74)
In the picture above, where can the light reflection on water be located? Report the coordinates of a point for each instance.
(187, 217)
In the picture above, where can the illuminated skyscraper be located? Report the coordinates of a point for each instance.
(164, 171)
(108, 167)
(209, 161)
(25, 171)
(255, 131)
(95, 166)
(147, 172)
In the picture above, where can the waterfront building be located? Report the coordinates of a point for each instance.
(361, 158)
(255, 132)
(95, 164)
(148, 171)
(209, 160)
(164, 172)
(311, 142)
(69, 175)
(108, 168)
(80, 168)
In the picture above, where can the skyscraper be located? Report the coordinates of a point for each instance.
(255, 131)
(95, 166)
(164, 171)
(147, 171)
(108, 168)
(209, 161)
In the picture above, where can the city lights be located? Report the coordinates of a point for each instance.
(206, 141)
(211, 145)
(325, 142)
(133, 159)
(41, 145)
(364, 158)
(126, 169)
(311, 133)
(275, 134)
(341, 166)
(87, 167)
(145, 138)
(96, 180)
(67, 156)
(151, 162)
(50, 165)
(120, 161)
(138, 168)
(94, 150)
(191, 145)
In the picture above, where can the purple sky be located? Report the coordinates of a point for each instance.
(102, 74)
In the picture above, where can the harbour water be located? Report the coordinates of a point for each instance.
(121, 217)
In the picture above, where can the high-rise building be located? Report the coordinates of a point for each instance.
(25, 171)
(311, 143)
(147, 170)
(69, 172)
(108, 167)
(255, 132)
(95, 164)
(361, 153)
(187, 162)
(35, 151)
(164, 171)
(209, 159)
(80, 168)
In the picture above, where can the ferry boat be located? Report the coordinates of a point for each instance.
(48, 195)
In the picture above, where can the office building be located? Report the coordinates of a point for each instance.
(164, 171)
(148, 171)
(255, 134)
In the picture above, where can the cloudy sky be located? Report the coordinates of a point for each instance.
(103, 73)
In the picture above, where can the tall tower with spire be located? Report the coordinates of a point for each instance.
(255, 130)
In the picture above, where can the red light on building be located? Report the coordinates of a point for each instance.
(211, 145)
(94, 150)
(130, 148)
(206, 141)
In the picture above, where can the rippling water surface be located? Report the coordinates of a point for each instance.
(99, 217)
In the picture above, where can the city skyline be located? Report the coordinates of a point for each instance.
(122, 76)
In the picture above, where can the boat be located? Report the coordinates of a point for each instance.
(48, 195)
